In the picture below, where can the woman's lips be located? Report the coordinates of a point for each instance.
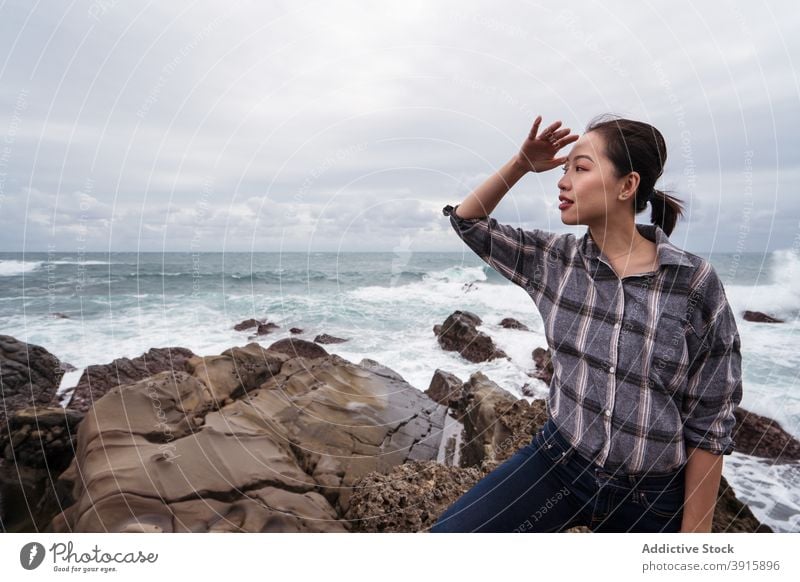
(565, 204)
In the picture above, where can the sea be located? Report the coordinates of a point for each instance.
(122, 304)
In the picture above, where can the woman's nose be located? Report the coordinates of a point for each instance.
(563, 183)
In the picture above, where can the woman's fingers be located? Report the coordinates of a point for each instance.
(561, 133)
(535, 128)
(550, 129)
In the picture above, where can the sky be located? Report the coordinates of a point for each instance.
(347, 126)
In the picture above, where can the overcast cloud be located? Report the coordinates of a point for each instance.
(296, 126)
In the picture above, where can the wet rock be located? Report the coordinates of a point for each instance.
(294, 347)
(544, 365)
(511, 323)
(29, 376)
(763, 437)
(760, 317)
(324, 338)
(733, 516)
(458, 333)
(247, 324)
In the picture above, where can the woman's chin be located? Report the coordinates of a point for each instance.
(569, 218)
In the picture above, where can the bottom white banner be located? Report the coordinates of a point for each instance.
(333, 556)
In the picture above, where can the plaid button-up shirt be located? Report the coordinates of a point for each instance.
(643, 366)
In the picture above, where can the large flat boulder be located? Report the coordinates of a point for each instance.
(174, 453)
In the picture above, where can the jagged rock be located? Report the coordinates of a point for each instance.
(324, 338)
(29, 376)
(96, 380)
(409, 498)
(760, 317)
(496, 423)
(511, 323)
(458, 333)
(295, 330)
(445, 388)
(544, 365)
(763, 437)
(283, 458)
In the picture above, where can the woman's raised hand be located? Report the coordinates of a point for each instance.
(538, 152)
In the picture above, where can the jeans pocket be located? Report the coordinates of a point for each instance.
(666, 503)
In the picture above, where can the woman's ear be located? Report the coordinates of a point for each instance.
(629, 185)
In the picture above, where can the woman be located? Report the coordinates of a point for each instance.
(645, 348)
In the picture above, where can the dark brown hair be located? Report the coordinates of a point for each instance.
(635, 146)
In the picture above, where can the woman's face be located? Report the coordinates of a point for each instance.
(589, 182)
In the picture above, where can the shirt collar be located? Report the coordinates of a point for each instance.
(666, 252)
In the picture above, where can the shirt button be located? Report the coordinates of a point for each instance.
(611, 370)
(616, 325)
(608, 412)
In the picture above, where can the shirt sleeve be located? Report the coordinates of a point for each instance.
(518, 255)
(715, 373)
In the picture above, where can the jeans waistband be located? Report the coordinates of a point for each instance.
(553, 437)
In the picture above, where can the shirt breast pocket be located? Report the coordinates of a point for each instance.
(671, 347)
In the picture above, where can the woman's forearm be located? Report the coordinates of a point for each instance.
(703, 475)
(487, 196)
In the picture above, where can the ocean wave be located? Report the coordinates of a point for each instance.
(15, 268)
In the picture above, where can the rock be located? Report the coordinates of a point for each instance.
(50, 446)
(733, 516)
(445, 388)
(265, 328)
(544, 365)
(247, 324)
(295, 330)
(38, 445)
(496, 423)
(759, 317)
(511, 323)
(409, 498)
(324, 338)
(96, 380)
(282, 459)
(763, 437)
(29, 376)
(412, 496)
(231, 374)
(294, 348)
(458, 333)
(60, 315)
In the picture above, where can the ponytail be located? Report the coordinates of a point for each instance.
(665, 211)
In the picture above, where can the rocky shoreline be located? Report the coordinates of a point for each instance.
(287, 438)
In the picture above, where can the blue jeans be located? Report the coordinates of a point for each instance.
(547, 486)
